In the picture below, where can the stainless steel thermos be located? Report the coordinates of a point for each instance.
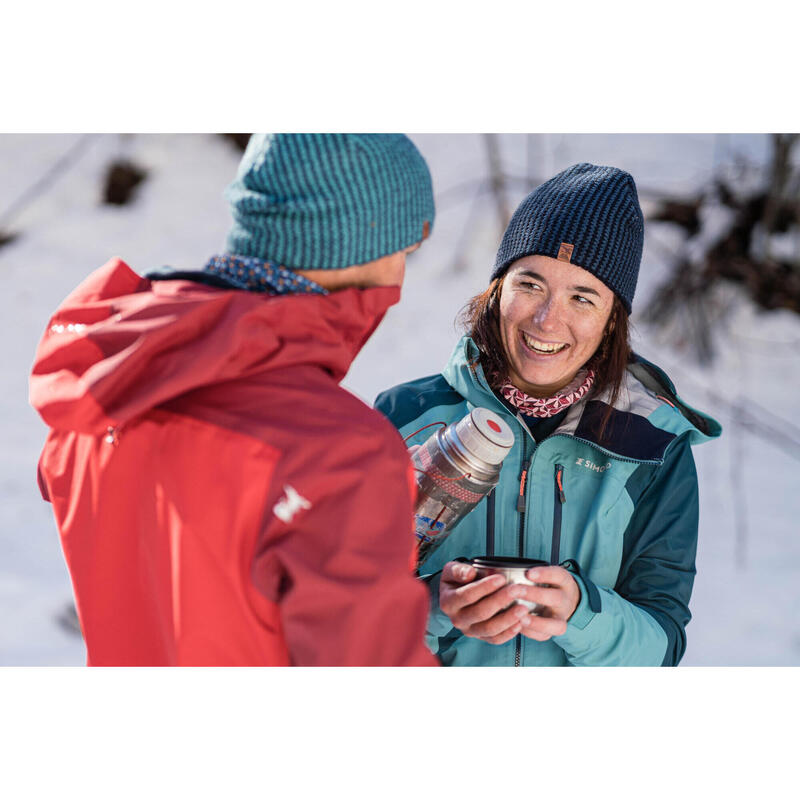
(455, 469)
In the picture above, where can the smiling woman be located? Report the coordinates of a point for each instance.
(600, 482)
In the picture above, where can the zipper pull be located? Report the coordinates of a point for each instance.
(559, 474)
(521, 498)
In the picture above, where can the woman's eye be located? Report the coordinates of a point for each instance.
(530, 285)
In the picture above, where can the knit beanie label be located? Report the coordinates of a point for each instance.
(565, 252)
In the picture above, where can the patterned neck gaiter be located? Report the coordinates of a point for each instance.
(255, 275)
(549, 406)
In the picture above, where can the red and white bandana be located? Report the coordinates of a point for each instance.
(549, 406)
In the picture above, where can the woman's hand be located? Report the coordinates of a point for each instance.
(560, 597)
(481, 608)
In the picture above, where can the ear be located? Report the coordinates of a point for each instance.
(612, 320)
(492, 293)
(496, 287)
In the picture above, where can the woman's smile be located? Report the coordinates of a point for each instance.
(540, 348)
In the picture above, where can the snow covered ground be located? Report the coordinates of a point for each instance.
(748, 582)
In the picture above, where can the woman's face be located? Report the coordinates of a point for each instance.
(552, 318)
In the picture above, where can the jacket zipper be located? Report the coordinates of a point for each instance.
(523, 479)
(560, 499)
(521, 499)
(615, 456)
(490, 523)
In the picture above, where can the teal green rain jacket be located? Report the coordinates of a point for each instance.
(625, 524)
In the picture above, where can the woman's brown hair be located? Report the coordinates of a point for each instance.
(480, 318)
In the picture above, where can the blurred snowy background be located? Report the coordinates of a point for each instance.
(65, 210)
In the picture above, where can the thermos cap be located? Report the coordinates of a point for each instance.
(485, 435)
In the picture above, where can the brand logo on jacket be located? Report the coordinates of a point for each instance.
(584, 462)
(292, 502)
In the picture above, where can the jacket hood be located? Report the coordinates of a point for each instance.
(120, 344)
(648, 415)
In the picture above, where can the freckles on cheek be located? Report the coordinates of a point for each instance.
(505, 322)
(592, 335)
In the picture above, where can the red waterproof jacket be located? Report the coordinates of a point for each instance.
(221, 500)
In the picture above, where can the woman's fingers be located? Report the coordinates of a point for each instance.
(458, 572)
(557, 591)
(542, 628)
(502, 638)
(453, 598)
(552, 575)
(552, 598)
(499, 623)
(485, 609)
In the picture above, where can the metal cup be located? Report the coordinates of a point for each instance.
(513, 570)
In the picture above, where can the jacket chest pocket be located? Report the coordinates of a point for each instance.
(591, 511)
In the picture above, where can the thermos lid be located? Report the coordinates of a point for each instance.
(485, 435)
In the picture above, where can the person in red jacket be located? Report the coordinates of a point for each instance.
(221, 500)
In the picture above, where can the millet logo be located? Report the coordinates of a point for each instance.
(584, 462)
(290, 504)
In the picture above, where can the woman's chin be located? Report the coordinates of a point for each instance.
(541, 383)
(545, 378)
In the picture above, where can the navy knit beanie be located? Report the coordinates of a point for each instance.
(328, 201)
(586, 215)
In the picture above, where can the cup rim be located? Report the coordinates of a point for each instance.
(506, 562)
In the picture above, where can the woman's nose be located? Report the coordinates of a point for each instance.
(546, 315)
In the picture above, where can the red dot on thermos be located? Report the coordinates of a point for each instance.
(493, 425)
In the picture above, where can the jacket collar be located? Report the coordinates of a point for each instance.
(647, 416)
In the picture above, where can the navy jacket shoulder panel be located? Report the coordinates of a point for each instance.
(405, 402)
(640, 481)
(628, 435)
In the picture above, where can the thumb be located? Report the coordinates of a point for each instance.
(458, 572)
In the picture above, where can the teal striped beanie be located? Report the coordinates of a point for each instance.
(328, 201)
(586, 215)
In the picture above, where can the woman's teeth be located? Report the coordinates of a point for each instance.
(542, 347)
